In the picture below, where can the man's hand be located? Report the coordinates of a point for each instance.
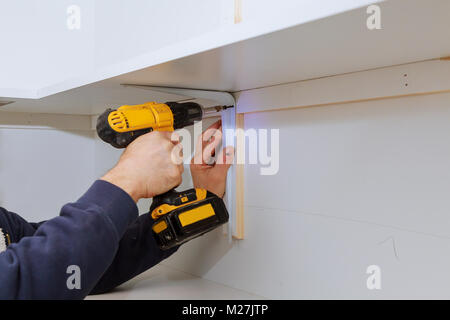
(148, 167)
(211, 176)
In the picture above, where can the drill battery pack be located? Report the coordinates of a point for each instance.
(182, 216)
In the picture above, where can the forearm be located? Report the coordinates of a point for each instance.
(86, 234)
(137, 253)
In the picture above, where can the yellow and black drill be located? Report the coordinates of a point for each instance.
(178, 216)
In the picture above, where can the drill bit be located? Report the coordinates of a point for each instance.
(215, 109)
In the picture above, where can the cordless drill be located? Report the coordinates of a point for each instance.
(178, 216)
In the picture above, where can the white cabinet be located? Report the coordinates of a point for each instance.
(46, 43)
(180, 44)
(363, 179)
(176, 43)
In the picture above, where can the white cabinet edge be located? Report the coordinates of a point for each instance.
(24, 120)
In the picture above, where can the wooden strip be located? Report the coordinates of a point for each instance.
(428, 77)
(350, 101)
(240, 160)
(237, 11)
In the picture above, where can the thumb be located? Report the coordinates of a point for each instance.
(225, 158)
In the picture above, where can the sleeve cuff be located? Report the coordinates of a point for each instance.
(116, 203)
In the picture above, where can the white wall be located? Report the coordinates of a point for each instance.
(359, 184)
(42, 169)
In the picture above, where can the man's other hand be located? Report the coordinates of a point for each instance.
(207, 175)
(149, 166)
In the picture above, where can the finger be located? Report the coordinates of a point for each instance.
(172, 136)
(209, 132)
(203, 140)
(175, 138)
(209, 136)
(177, 154)
(209, 149)
(206, 144)
(215, 125)
(225, 158)
(163, 134)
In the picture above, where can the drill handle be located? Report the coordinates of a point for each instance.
(162, 198)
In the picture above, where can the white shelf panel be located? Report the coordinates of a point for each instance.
(411, 31)
(238, 57)
(114, 38)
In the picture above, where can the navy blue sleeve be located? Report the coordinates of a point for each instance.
(85, 235)
(15, 227)
(138, 252)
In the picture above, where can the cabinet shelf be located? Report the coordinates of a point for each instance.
(250, 55)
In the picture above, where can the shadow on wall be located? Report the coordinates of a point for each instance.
(202, 254)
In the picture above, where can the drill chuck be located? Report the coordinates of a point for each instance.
(185, 114)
